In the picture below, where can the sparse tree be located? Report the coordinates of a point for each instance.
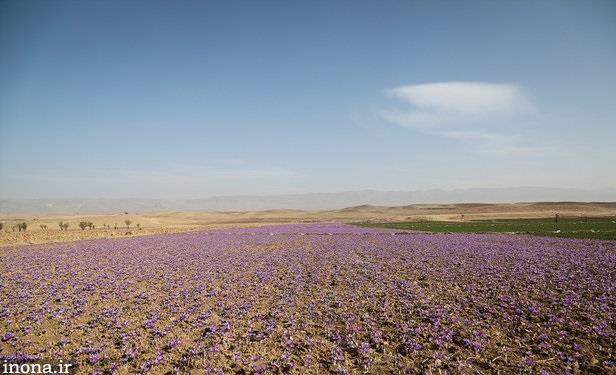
(43, 226)
(61, 225)
(23, 226)
(138, 226)
(83, 225)
(127, 222)
(91, 225)
(65, 226)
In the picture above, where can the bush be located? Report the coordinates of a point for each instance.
(23, 226)
(86, 224)
(127, 222)
(1, 226)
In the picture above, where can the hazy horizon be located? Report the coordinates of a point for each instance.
(181, 100)
(310, 201)
(582, 193)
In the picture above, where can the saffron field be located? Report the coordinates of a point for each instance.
(313, 298)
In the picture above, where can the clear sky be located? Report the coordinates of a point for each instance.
(184, 99)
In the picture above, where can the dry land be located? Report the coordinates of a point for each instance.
(113, 225)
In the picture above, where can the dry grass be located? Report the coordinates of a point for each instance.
(171, 222)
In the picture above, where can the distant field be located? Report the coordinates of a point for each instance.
(509, 217)
(596, 228)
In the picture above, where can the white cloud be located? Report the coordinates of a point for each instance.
(466, 111)
(473, 99)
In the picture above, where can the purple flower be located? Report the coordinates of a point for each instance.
(94, 358)
(173, 343)
(9, 336)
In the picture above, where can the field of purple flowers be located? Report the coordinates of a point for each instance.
(313, 298)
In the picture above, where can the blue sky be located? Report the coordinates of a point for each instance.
(194, 99)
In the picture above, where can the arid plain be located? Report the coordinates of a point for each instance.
(113, 225)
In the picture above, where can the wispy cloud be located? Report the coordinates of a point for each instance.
(450, 100)
(498, 144)
(466, 111)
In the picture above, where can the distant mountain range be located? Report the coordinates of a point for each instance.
(311, 201)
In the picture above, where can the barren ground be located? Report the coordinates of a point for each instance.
(171, 222)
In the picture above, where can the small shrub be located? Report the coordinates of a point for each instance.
(23, 226)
